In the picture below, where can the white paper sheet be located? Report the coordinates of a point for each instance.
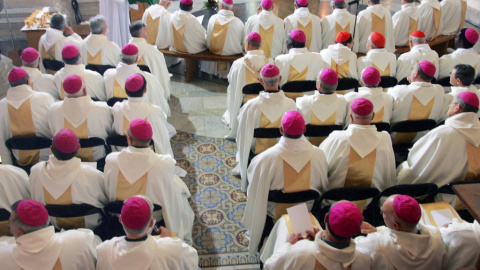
(300, 219)
(442, 216)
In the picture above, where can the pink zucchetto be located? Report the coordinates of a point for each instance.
(407, 209)
(469, 98)
(339, 1)
(267, 4)
(371, 76)
(69, 51)
(141, 129)
(186, 2)
(16, 74)
(135, 213)
(134, 82)
(342, 37)
(228, 2)
(255, 37)
(72, 84)
(471, 35)
(362, 106)
(302, 2)
(29, 55)
(32, 213)
(329, 76)
(129, 49)
(418, 34)
(298, 35)
(378, 39)
(344, 219)
(428, 68)
(293, 123)
(269, 71)
(66, 141)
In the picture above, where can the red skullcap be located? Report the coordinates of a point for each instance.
(29, 55)
(267, 4)
(32, 213)
(407, 209)
(255, 37)
(72, 84)
(69, 51)
(371, 76)
(16, 74)
(428, 68)
(345, 219)
(269, 71)
(329, 76)
(186, 2)
(141, 129)
(129, 49)
(378, 39)
(66, 141)
(302, 2)
(342, 37)
(469, 98)
(362, 106)
(418, 34)
(471, 35)
(298, 35)
(293, 123)
(135, 213)
(134, 82)
(228, 2)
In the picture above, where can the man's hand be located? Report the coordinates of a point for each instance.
(293, 238)
(311, 235)
(164, 232)
(68, 31)
(367, 228)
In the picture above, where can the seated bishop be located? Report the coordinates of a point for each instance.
(377, 57)
(307, 22)
(40, 82)
(185, 33)
(431, 19)
(340, 20)
(453, 16)
(462, 242)
(405, 22)
(461, 79)
(14, 187)
(96, 48)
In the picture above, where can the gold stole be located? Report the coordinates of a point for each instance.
(328, 122)
(307, 29)
(126, 123)
(378, 25)
(342, 70)
(96, 59)
(378, 118)
(118, 91)
(288, 222)
(4, 230)
(250, 77)
(141, 61)
(152, 28)
(262, 144)
(437, 14)
(339, 28)
(360, 172)
(464, 12)
(62, 92)
(473, 172)
(126, 190)
(267, 39)
(57, 266)
(137, 14)
(319, 266)
(412, 27)
(418, 111)
(21, 124)
(50, 54)
(64, 199)
(385, 72)
(429, 207)
(178, 39)
(85, 154)
(295, 75)
(217, 40)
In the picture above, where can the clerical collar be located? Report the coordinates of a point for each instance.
(143, 238)
(337, 245)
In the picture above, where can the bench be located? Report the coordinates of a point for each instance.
(191, 60)
(439, 44)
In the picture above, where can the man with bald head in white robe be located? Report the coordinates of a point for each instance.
(96, 48)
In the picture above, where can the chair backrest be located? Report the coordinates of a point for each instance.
(477, 80)
(388, 81)
(418, 191)
(4, 214)
(91, 142)
(382, 126)
(115, 207)
(251, 91)
(267, 133)
(347, 83)
(320, 131)
(99, 68)
(444, 82)
(278, 196)
(53, 64)
(410, 126)
(144, 68)
(299, 86)
(72, 210)
(114, 100)
(26, 143)
(349, 194)
(121, 141)
(403, 81)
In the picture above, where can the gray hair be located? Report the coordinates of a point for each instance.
(97, 24)
(57, 21)
(136, 28)
(327, 88)
(418, 40)
(33, 64)
(143, 230)
(22, 81)
(225, 5)
(254, 44)
(375, 2)
(363, 117)
(370, 42)
(337, 4)
(465, 106)
(18, 223)
(271, 81)
(128, 59)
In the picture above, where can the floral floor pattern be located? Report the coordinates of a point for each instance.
(217, 201)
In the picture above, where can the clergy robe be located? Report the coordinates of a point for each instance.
(6, 66)
(406, 61)
(151, 253)
(245, 70)
(299, 64)
(459, 56)
(382, 103)
(45, 250)
(266, 110)
(42, 82)
(272, 30)
(13, 187)
(92, 79)
(98, 50)
(431, 19)
(115, 85)
(307, 22)
(462, 242)
(341, 59)
(86, 118)
(51, 44)
(339, 20)
(430, 160)
(117, 15)
(375, 18)
(133, 108)
(23, 112)
(453, 16)
(157, 19)
(456, 90)
(291, 165)
(68, 182)
(186, 34)
(139, 171)
(385, 62)
(405, 22)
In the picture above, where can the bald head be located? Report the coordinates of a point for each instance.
(392, 221)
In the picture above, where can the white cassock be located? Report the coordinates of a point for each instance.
(42, 82)
(375, 18)
(339, 20)
(406, 61)
(115, 85)
(68, 182)
(382, 103)
(98, 50)
(373, 159)
(150, 56)
(272, 30)
(299, 64)
(310, 24)
(157, 19)
(13, 187)
(284, 164)
(6, 66)
(405, 22)
(116, 13)
(453, 16)
(139, 171)
(45, 250)
(269, 107)
(341, 59)
(51, 44)
(93, 81)
(431, 19)
(86, 118)
(30, 118)
(462, 242)
(391, 249)
(459, 56)
(133, 108)
(245, 70)
(151, 253)
(427, 160)
(186, 34)
(385, 62)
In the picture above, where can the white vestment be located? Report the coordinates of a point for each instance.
(382, 103)
(406, 61)
(163, 187)
(367, 23)
(341, 19)
(98, 43)
(323, 106)
(13, 186)
(296, 61)
(302, 18)
(459, 56)
(116, 13)
(385, 62)
(462, 242)
(6, 66)
(42, 82)
(340, 54)
(452, 16)
(54, 39)
(39, 106)
(265, 20)
(93, 81)
(158, 12)
(426, 23)
(152, 253)
(401, 23)
(266, 172)
(194, 39)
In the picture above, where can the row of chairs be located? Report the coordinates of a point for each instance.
(56, 65)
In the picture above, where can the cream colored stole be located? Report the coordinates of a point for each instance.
(295, 75)
(307, 29)
(118, 91)
(360, 172)
(288, 222)
(267, 39)
(378, 118)
(141, 61)
(317, 122)
(50, 54)
(378, 25)
(437, 14)
(85, 154)
(418, 111)
(385, 72)
(21, 125)
(464, 12)
(262, 144)
(342, 70)
(178, 39)
(251, 76)
(95, 59)
(339, 28)
(57, 266)
(219, 35)
(64, 199)
(4, 229)
(473, 152)
(412, 27)
(152, 28)
(62, 92)
(126, 190)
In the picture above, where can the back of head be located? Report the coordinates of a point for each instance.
(344, 220)
(301, 3)
(270, 75)
(267, 5)
(362, 111)
(377, 40)
(136, 215)
(328, 80)
(18, 76)
(370, 77)
(293, 125)
(140, 132)
(186, 5)
(70, 54)
(340, 4)
(374, 2)
(65, 144)
(406, 210)
(227, 4)
(465, 73)
(254, 40)
(296, 39)
(135, 85)
(57, 21)
(97, 24)
(28, 216)
(136, 28)
(466, 38)
(73, 86)
(426, 70)
(344, 38)
(129, 54)
(30, 57)
(418, 37)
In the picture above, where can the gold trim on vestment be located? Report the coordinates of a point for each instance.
(64, 199)
(412, 27)
(307, 29)
(262, 144)
(429, 207)
(4, 229)
(294, 181)
(418, 111)
(437, 14)
(378, 118)
(288, 222)
(385, 72)
(178, 39)
(152, 28)
(85, 154)
(267, 39)
(473, 162)
(137, 14)
(250, 76)
(317, 140)
(50, 54)
(218, 37)
(378, 24)
(342, 70)
(126, 190)
(295, 75)
(360, 172)
(464, 13)
(339, 28)
(94, 60)
(118, 90)
(141, 61)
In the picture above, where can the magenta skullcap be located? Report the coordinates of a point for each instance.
(418, 34)
(134, 82)
(269, 71)
(255, 37)
(344, 219)
(16, 74)
(32, 213)
(339, 1)
(66, 141)
(471, 35)
(371, 76)
(267, 4)
(135, 213)
(428, 68)
(407, 209)
(342, 36)
(469, 98)
(69, 51)
(29, 55)
(186, 2)
(329, 76)
(298, 35)
(302, 2)
(72, 84)
(228, 2)
(362, 106)
(293, 123)
(129, 49)
(141, 129)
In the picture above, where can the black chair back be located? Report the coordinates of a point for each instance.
(444, 82)
(51, 64)
(299, 86)
(26, 143)
(405, 81)
(121, 141)
(320, 131)
(250, 91)
(4, 214)
(382, 126)
(144, 68)
(347, 83)
(98, 68)
(410, 126)
(278, 196)
(388, 81)
(114, 100)
(477, 80)
(93, 142)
